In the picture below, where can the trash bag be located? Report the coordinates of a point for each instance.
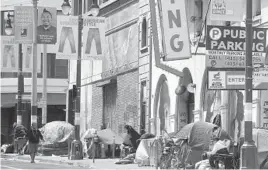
(204, 164)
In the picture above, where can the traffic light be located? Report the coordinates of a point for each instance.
(74, 91)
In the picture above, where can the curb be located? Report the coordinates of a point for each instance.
(24, 157)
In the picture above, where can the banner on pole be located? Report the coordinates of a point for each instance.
(9, 55)
(227, 10)
(226, 47)
(27, 56)
(175, 30)
(93, 37)
(67, 38)
(47, 25)
(23, 24)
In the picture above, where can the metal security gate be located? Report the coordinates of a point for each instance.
(109, 102)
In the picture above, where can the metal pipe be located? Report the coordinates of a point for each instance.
(44, 95)
(34, 67)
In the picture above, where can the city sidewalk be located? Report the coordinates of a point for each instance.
(88, 163)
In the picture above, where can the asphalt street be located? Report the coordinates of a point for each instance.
(21, 165)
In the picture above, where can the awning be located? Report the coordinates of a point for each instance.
(9, 99)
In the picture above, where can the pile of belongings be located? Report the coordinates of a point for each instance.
(57, 135)
(7, 148)
(130, 153)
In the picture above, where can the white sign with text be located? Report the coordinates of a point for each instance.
(175, 30)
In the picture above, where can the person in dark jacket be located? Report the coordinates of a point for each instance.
(19, 132)
(34, 136)
(133, 136)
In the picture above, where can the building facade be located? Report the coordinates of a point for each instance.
(134, 85)
(57, 84)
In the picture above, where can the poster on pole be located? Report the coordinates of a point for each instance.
(227, 10)
(67, 37)
(23, 24)
(175, 30)
(93, 38)
(27, 57)
(47, 25)
(9, 54)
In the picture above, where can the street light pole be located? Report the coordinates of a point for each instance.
(248, 149)
(78, 72)
(34, 67)
(20, 87)
(76, 146)
(44, 95)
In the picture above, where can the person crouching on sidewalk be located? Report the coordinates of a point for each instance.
(34, 136)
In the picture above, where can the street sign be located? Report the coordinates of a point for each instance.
(41, 103)
(175, 30)
(24, 97)
(233, 80)
(226, 10)
(226, 47)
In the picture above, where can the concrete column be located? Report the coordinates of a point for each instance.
(224, 109)
(197, 115)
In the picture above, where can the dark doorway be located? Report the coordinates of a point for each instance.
(109, 103)
(143, 105)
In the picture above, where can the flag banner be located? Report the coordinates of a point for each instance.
(47, 25)
(93, 37)
(27, 56)
(67, 37)
(9, 55)
(23, 24)
(175, 30)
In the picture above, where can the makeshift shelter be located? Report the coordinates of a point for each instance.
(260, 136)
(56, 135)
(200, 133)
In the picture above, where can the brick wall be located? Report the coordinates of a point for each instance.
(97, 107)
(127, 100)
(126, 111)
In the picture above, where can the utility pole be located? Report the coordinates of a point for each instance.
(76, 146)
(34, 65)
(44, 95)
(20, 87)
(78, 72)
(248, 149)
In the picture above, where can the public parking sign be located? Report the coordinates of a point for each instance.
(226, 47)
(234, 80)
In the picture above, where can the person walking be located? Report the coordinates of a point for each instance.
(34, 136)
